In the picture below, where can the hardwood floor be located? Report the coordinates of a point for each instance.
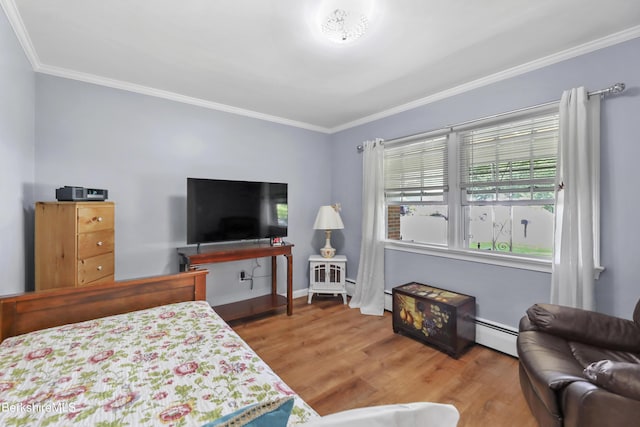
(337, 359)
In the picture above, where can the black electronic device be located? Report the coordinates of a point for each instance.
(223, 210)
(70, 193)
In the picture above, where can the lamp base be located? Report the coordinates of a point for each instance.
(327, 251)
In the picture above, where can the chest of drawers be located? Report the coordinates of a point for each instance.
(74, 244)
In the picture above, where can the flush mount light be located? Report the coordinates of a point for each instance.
(342, 26)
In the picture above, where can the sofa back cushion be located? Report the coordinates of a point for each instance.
(587, 354)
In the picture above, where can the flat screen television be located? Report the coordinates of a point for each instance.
(222, 210)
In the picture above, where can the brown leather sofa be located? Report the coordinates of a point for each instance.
(580, 368)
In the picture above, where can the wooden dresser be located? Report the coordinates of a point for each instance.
(74, 244)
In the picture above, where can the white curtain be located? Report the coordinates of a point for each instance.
(577, 193)
(369, 293)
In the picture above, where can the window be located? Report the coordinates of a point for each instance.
(282, 213)
(507, 175)
(496, 195)
(416, 190)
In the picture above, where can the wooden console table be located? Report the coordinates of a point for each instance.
(191, 256)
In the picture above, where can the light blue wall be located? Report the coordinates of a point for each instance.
(503, 294)
(16, 162)
(143, 148)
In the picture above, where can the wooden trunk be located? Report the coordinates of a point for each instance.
(437, 317)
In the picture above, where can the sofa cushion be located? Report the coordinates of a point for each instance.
(618, 377)
(588, 405)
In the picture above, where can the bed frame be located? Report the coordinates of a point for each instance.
(31, 311)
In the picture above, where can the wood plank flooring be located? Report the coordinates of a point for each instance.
(337, 359)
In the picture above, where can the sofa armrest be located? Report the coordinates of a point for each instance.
(617, 377)
(526, 325)
(585, 326)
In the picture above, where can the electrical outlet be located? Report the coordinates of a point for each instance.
(243, 275)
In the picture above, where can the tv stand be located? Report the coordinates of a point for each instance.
(192, 256)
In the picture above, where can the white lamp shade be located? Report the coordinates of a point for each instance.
(328, 219)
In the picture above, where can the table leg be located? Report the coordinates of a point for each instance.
(289, 284)
(274, 276)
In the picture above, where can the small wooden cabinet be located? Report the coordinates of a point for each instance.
(74, 244)
(327, 276)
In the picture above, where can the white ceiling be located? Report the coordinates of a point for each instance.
(265, 58)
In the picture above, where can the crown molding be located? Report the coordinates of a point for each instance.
(13, 16)
(17, 24)
(172, 96)
(610, 40)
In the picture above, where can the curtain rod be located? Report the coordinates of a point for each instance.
(611, 90)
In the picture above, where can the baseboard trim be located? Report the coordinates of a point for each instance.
(494, 335)
(299, 293)
(388, 301)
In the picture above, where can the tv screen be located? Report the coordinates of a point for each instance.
(222, 210)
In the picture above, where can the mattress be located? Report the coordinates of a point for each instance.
(177, 364)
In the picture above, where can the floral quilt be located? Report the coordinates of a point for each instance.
(174, 365)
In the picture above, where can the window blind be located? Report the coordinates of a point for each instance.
(416, 171)
(509, 163)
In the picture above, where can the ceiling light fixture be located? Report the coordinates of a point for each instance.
(342, 26)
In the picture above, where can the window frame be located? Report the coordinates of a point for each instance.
(414, 180)
(455, 247)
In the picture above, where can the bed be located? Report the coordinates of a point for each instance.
(139, 352)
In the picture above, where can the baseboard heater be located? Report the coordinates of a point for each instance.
(350, 284)
(488, 333)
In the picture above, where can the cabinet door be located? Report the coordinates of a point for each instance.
(318, 273)
(336, 275)
(327, 276)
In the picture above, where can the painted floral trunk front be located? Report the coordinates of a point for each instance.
(437, 317)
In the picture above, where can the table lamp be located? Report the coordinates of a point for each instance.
(328, 219)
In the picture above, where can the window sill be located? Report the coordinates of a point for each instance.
(483, 257)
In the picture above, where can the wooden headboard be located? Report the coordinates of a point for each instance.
(31, 311)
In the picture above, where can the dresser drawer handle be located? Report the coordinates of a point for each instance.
(98, 218)
(99, 268)
(99, 243)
